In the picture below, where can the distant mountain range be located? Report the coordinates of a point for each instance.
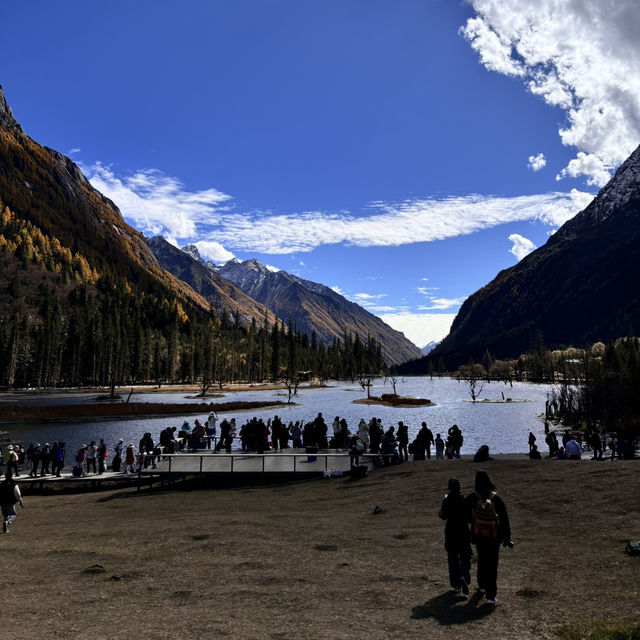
(312, 307)
(582, 286)
(428, 348)
(221, 294)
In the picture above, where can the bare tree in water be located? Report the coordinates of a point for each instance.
(291, 382)
(366, 380)
(475, 377)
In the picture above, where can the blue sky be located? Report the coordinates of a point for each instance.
(402, 152)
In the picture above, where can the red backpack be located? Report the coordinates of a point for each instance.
(485, 518)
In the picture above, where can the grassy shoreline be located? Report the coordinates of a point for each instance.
(310, 559)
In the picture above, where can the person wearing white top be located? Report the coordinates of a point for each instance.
(363, 432)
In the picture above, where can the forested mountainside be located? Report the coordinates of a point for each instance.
(315, 308)
(83, 299)
(580, 287)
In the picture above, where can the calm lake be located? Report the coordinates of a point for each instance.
(504, 426)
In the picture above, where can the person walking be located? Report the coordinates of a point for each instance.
(427, 436)
(296, 435)
(91, 457)
(79, 468)
(129, 460)
(439, 442)
(375, 435)
(457, 538)
(363, 432)
(102, 456)
(532, 441)
(11, 459)
(596, 445)
(35, 460)
(455, 440)
(9, 496)
(57, 458)
(490, 529)
(403, 441)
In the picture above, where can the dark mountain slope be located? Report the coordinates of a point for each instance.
(47, 190)
(216, 290)
(582, 286)
(315, 307)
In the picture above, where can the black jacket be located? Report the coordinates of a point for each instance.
(456, 531)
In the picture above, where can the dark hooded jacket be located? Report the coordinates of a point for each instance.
(483, 488)
(453, 510)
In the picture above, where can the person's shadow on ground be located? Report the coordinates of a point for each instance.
(452, 608)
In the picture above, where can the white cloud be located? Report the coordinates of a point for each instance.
(442, 304)
(583, 57)
(537, 162)
(382, 308)
(521, 246)
(338, 290)
(214, 251)
(494, 50)
(420, 328)
(420, 220)
(271, 268)
(581, 199)
(367, 297)
(586, 164)
(158, 204)
(74, 151)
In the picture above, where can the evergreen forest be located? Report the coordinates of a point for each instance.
(66, 323)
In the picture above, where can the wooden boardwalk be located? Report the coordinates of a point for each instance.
(225, 469)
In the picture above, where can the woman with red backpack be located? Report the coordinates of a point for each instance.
(489, 529)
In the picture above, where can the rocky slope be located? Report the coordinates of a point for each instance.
(216, 290)
(580, 287)
(315, 307)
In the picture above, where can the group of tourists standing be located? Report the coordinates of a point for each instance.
(574, 445)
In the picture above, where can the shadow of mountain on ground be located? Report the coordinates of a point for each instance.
(452, 608)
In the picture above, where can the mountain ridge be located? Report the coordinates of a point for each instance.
(315, 307)
(581, 286)
(216, 290)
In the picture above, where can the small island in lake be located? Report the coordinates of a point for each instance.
(394, 400)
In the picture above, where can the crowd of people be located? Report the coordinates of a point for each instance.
(575, 444)
(392, 443)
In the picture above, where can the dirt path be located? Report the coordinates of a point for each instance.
(310, 560)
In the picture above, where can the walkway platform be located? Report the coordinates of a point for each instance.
(217, 469)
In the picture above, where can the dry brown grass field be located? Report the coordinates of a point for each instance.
(311, 560)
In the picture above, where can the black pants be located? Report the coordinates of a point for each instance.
(488, 554)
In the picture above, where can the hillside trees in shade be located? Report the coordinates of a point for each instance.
(64, 323)
(604, 392)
